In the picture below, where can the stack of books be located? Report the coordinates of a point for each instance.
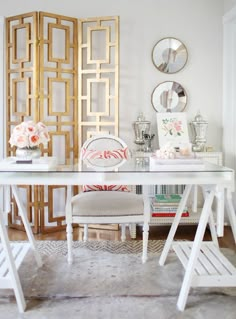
(164, 205)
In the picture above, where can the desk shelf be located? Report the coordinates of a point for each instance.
(212, 157)
(19, 251)
(212, 269)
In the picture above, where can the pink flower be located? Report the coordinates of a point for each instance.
(28, 134)
(178, 126)
(34, 140)
(22, 141)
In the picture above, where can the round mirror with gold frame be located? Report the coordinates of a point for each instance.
(169, 55)
(169, 96)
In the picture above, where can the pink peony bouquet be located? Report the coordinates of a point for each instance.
(29, 135)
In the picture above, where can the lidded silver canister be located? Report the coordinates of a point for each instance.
(141, 127)
(200, 130)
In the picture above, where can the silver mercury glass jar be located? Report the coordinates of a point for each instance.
(200, 130)
(141, 127)
(28, 153)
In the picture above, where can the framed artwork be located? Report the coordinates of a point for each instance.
(172, 128)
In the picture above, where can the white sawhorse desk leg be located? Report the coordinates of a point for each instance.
(220, 196)
(231, 212)
(13, 254)
(211, 219)
(195, 250)
(196, 244)
(174, 225)
(27, 225)
(14, 277)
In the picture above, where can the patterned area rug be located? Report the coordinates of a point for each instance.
(59, 247)
(108, 280)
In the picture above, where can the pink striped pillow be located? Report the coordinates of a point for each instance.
(120, 188)
(121, 153)
(106, 154)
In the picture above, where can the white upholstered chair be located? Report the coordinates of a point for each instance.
(112, 206)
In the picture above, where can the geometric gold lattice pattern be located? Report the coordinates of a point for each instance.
(42, 85)
(58, 105)
(98, 76)
(21, 70)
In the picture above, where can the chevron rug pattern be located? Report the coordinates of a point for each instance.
(59, 247)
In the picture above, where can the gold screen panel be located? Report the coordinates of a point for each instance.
(98, 104)
(21, 71)
(20, 47)
(59, 80)
(58, 100)
(98, 49)
(52, 199)
(98, 76)
(59, 44)
(21, 97)
(58, 104)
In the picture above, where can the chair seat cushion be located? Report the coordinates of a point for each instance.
(107, 203)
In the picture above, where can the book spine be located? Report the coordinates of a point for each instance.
(157, 204)
(172, 198)
(166, 209)
(172, 207)
(166, 201)
(168, 214)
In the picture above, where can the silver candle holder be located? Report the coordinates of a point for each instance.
(148, 142)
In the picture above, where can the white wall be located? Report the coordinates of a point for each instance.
(229, 83)
(198, 23)
(229, 4)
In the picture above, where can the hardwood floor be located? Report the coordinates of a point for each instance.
(156, 232)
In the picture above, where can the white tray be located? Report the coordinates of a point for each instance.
(176, 164)
(39, 164)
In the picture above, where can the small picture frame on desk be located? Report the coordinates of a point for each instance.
(172, 128)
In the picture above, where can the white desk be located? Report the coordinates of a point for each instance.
(212, 177)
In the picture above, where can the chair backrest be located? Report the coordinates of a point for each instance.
(104, 152)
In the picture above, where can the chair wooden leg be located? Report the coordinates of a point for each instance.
(85, 232)
(123, 229)
(69, 232)
(132, 230)
(145, 241)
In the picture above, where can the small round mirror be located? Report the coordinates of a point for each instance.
(169, 97)
(169, 55)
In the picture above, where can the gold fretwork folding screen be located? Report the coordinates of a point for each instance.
(43, 60)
